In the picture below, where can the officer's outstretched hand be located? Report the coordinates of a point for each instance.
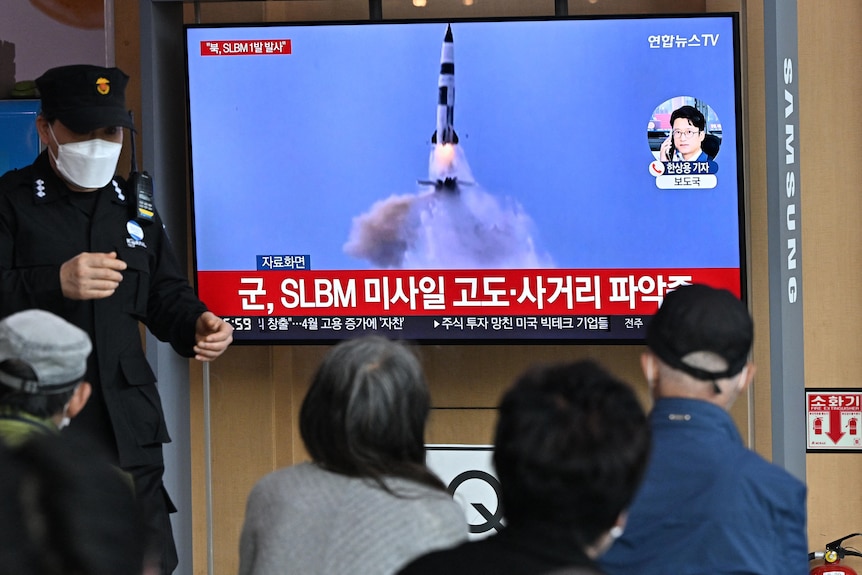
(91, 275)
(212, 336)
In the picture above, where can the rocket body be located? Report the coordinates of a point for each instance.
(445, 133)
(447, 166)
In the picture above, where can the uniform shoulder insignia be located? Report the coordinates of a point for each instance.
(119, 191)
(39, 188)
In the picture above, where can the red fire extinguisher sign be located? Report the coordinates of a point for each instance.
(834, 418)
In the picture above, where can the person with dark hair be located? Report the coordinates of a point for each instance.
(79, 241)
(66, 511)
(708, 505)
(43, 359)
(688, 131)
(570, 449)
(366, 503)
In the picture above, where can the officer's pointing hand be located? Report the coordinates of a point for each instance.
(91, 275)
(212, 336)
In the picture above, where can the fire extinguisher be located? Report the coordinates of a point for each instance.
(818, 426)
(851, 427)
(832, 557)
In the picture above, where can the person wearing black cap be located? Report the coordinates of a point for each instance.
(72, 242)
(43, 359)
(708, 505)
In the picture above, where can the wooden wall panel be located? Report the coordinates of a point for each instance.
(274, 11)
(127, 48)
(461, 426)
(297, 365)
(476, 375)
(831, 206)
(395, 9)
(310, 10)
(244, 413)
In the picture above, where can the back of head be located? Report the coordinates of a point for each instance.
(702, 331)
(571, 447)
(365, 412)
(42, 358)
(65, 511)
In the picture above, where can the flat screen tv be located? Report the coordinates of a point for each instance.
(544, 180)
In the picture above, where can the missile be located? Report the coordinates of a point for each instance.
(447, 169)
(445, 133)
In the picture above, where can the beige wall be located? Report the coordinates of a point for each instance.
(830, 52)
(256, 390)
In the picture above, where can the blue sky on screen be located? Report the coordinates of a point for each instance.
(552, 117)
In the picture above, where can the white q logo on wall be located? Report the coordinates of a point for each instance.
(468, 472)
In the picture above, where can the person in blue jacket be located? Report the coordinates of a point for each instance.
(707, 505)
(71, 244)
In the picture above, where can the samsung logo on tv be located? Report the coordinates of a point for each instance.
(790, 182)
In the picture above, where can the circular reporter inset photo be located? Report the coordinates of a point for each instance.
(684, 129)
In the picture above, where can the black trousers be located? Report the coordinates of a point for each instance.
(94, 424)
(156, 507)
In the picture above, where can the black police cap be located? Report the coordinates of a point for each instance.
(696, 318)
(84, 97)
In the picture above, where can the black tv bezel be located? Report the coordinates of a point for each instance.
(742, 191)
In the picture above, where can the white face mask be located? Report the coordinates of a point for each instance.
(89, 164)
(65, 420)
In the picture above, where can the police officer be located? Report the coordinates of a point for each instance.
(70, 244)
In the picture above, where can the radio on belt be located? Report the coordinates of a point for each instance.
(140, 187)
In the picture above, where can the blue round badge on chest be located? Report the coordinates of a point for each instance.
(135, 230)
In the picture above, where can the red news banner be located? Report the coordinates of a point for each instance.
(558, 292)
(245, 47)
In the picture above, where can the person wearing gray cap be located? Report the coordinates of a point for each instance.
(76, 240)
(708, 505)
(43, 359)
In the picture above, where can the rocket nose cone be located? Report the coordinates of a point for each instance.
(448, 37)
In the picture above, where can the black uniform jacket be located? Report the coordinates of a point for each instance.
(40, 229)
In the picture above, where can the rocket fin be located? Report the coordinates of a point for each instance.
(454, 137)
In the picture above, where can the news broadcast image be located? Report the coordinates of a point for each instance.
(459, 180)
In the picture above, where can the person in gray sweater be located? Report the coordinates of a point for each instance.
(366, 503)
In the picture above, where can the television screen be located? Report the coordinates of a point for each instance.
(586, 167)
